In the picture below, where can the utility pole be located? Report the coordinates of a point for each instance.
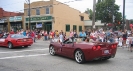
(113, 17)
(94, 9)
(29, 15)
(123, 14)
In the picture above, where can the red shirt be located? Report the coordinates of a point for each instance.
(12, 32)
(32, 34)
(52, 34)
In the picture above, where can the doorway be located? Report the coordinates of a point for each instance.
(47, 26)
(33, 26)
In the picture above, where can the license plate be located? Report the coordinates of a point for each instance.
(24, 39)
(106, 51)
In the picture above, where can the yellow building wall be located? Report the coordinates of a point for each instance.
(66, 15)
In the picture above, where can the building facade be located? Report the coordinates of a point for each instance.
(53, 15)
(4, 13)
(9, 23)
(88, 24)
(16, 23)
(10, 20)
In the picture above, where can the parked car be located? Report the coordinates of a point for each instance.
(83, 51)
(15, 40)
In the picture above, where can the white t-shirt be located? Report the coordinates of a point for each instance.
(61, 38)
(120, 40)
(127, 41)
(93, 34)
(116, 40)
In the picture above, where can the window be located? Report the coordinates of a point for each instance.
(74, 27)
(47, 10)
(82, 18)
(67, 28)
(28, 12)
(18, 36)
(37, 11)
(80, 28)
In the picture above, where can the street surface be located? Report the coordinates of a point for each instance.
(37, 58)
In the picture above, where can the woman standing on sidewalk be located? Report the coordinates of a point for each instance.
(45, 35)
(124, 38)
(51, 35)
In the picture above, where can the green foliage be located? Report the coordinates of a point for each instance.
(132, 21)
(90, 12)
(105, 10)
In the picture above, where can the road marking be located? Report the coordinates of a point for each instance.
(12, 57)
(24, 51)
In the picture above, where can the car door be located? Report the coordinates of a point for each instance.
(67, 49)
(2, 41)
(58, 48)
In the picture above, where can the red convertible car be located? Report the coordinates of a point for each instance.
(83, 51)
(15, 40)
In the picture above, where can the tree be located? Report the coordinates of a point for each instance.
(105, 11)
(132, 21)
(90, 12)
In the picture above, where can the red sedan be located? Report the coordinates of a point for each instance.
(84, 51)
(15, 40)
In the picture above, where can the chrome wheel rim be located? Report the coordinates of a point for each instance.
(10, 45)
(78, 56)
(52, 51)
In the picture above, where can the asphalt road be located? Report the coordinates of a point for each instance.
(37, 58)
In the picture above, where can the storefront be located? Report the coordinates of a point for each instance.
(16, 23)
(3, 24)
(39, 22)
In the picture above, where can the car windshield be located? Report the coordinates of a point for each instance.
(18, 36)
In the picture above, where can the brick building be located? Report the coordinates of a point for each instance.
(10, 20)
(53, 15)
(8, 14)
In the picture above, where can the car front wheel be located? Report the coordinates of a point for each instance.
(79, 56)
(52, 50)
(10, 45)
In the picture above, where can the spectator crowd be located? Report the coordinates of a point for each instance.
(123, 38)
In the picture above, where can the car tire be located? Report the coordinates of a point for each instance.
(106, 59)
(52, 50)
(25, 46)
(79, 56)
(10, 45)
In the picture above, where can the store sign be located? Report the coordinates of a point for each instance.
(3, 20)
(16, 18)
(39, 18)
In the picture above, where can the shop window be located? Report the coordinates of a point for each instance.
(80, 28)
(37, 11)
(67, 28)
(74, 27)
(26, 26)
(29, 12)
(47, 10)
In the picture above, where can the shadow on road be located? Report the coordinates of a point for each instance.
(14, 47)
(87, 62)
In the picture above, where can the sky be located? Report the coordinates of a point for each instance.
(82, 5)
